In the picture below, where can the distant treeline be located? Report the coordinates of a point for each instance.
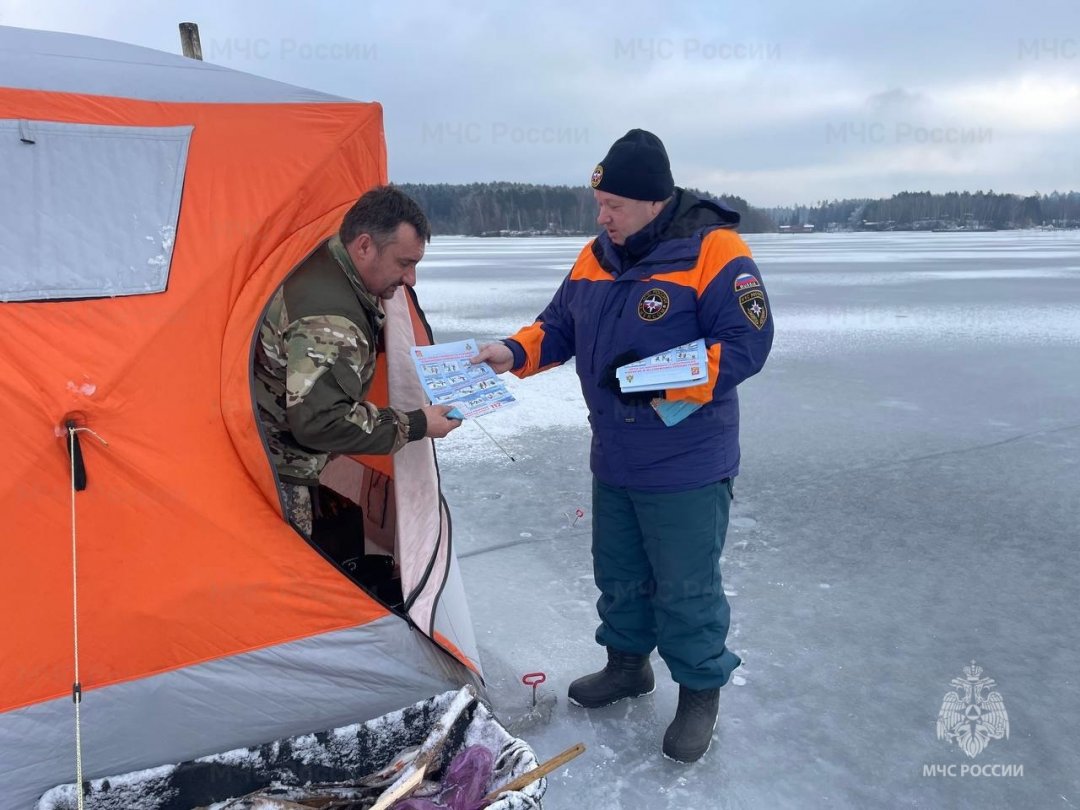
(955, 210)
(522, 209)
(506, 209)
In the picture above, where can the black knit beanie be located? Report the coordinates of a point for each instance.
(636, 167)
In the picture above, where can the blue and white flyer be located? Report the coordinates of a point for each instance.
(450, 379)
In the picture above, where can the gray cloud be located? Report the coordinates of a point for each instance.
(792, 102)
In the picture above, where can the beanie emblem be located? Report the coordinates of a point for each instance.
(636, 167)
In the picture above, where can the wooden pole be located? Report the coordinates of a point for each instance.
(528, 778)
(189, 40)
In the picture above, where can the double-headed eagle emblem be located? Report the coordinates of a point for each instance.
(972, 716)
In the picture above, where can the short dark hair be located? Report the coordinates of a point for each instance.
(379, 212)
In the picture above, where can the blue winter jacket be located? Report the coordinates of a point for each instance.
(685, 276)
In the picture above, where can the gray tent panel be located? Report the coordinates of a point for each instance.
(69, 63)
(88, 211)
(308, 685)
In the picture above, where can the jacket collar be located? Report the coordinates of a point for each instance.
(618, 258)
(640, 244)
(369, 301)
(676, 232)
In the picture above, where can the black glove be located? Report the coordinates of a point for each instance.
(610, 380)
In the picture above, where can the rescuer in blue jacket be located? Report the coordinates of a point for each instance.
(667, 269)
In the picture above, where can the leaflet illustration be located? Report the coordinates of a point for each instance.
(450, 379)
(679, 367)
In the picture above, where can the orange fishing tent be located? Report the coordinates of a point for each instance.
(150, 205)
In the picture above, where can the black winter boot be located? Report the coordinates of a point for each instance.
(625, 676)
(690, 733)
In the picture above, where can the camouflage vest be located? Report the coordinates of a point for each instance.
(326, 292)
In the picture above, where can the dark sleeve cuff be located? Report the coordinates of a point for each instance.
(417, 425)
(517, 350)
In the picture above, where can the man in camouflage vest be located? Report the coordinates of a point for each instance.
(315, 358)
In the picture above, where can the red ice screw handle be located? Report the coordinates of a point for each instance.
(533, 679)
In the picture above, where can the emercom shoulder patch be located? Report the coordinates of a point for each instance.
(754, 308)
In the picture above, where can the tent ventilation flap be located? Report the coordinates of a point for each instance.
(89, 211)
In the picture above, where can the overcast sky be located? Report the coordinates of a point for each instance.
(778, 102)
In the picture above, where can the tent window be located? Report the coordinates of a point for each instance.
(87, 211)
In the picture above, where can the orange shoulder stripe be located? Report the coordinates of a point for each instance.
(719, 248)
(587, 268)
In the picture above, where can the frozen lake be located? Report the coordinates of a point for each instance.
(909, 502)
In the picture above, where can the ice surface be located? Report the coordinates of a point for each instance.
(909, 501)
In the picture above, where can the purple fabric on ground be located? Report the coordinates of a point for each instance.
(464, 784)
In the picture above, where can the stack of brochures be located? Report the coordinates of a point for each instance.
(679, 367)
(449, 378)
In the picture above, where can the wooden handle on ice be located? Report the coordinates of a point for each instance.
(538, 772)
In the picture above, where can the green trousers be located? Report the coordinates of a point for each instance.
(656, 561)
